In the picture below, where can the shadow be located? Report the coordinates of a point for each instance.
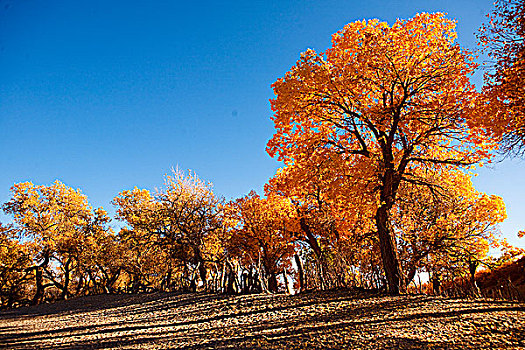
(103, 302)
(194, 321)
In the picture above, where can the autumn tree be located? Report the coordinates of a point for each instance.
(445, 227)
(386, 99)
(263, 234)
(182, 222)
(15, 260)
(102, 258)
(141, 240)
(503, 39)
(332, 219)
(54, 220)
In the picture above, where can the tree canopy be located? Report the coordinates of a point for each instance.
(385, 98)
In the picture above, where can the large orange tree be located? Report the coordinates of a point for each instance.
(385, 100)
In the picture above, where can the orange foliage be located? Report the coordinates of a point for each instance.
(58, 223)
(382, 100)
(179, 226)
(447, 227)
(263, 233)
(503, 38)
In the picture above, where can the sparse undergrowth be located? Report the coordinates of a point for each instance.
(341, 319)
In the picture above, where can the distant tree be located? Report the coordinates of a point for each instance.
(332, 220)
(102, 259)
(503, 38)
(55, 221)
(263, 234)
(144, 242)
(182, 221)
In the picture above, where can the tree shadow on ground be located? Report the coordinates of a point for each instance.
(328, 320)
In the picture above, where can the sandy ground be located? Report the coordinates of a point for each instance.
(323, 320)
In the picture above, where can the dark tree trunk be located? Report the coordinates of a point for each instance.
(272, 282)
(472, 267)
(166, 283)
(387, 242)
(390, 181)
(65, 285)
(314, 244)
(411, 273)
(228, 281)
(39, 286)
(39, 280)
(80, 284)
(300, 268)
(312, 241)
(436, 283)
(387, 245)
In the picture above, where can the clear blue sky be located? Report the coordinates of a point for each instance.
(108, 95)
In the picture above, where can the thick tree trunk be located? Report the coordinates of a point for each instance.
(39, 286)
(390, 184)
(387, 245)
(272, 282)
(436, 283)
(472, 267)
(312, 241)
(228, 281)
(65, 286)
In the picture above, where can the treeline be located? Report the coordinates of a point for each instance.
(185, 238)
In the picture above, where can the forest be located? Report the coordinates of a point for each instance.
(379, 137)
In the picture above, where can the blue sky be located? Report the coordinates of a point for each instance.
(108, 95)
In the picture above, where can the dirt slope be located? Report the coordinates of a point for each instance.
(327, 320)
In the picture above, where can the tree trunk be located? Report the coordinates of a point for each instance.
(39, 279)
(436, 283)
(472, 267)
(411, 273)
(230, 284)
(289, 287)
(272, 282)
(387, 245)
(65, 285)
(300, 269)
(202, 268)
(312, 241)
(80, 284)
(39, 286)
(320, 268)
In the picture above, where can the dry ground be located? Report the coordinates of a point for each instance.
(325, 320)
